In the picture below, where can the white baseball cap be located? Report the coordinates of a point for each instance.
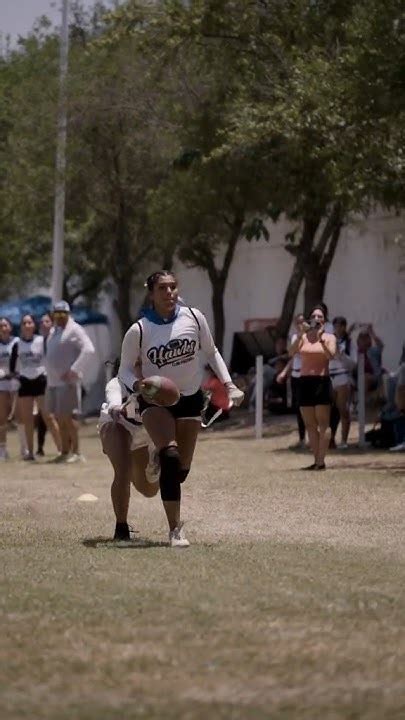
(61, 306)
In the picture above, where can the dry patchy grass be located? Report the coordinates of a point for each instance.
(288, 605)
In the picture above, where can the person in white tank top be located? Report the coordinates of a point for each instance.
(340, 371)
(28, 362)
(169, 341)
(8, 384)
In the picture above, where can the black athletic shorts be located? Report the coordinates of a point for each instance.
(189, 406)
(314, 390)
(32, 388)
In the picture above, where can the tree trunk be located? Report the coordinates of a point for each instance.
(123, 301)
(316, 268)
(121, 270)
(312, 263)
(314, 289)
(219, 278)
(217, 302)
(290, 299)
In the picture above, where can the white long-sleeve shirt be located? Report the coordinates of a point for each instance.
(171, 349)
(68, 348)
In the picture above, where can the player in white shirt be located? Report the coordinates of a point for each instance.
(168, 341)
(28, 362)
(341, 374)
(128, 447)
(8, 384)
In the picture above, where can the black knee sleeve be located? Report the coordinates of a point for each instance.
(183, 475)
(169, 474)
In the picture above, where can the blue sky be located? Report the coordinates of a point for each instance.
(18, 16)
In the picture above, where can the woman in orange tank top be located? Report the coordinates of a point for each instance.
(316, 348)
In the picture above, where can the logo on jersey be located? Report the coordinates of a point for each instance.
(176, 352)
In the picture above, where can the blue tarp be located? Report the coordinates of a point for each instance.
(40, 304)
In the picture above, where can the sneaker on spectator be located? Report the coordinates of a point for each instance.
(75, 458)
(398, 448)
(28, 457)
(343, 446)
(60, 458)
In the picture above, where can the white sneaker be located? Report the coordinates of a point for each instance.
(152, 470)
(177, 538)
(398, 448)
(75, 458)
(343, 446)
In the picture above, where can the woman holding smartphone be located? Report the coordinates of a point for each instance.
(316, 348)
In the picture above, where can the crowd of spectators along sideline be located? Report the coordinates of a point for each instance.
(385, 387)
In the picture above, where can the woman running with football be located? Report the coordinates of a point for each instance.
(167, 342)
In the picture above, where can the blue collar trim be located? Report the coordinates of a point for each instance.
(151, 315)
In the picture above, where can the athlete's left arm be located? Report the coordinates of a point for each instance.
(113, 393)
(216, 361)
(129, 370)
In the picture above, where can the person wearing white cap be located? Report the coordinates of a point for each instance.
(69, 350)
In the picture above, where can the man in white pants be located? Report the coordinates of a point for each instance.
(69, 350)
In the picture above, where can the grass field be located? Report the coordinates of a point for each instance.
(288, 605)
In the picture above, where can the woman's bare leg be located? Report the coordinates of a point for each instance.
(322, 414)
(5, 407)
(186, 436)
(161, 428)
(343, 405)
(309, 417)
(50, 422)
(128, 467)
(140, 459)
(25, 413)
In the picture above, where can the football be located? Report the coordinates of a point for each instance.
(159, 390)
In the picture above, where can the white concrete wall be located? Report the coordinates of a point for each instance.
(366, 282)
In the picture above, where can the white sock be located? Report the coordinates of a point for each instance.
(22, 438)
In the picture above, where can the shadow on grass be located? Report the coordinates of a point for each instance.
(376, 465)
(228, 433)
(135, 544)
